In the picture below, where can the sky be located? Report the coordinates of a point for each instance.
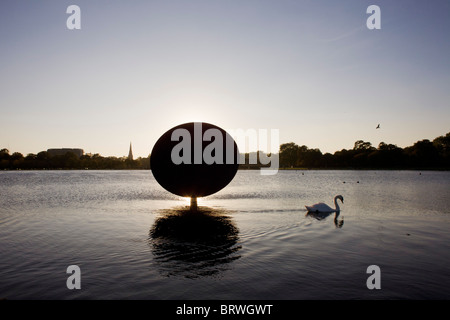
(309, 68)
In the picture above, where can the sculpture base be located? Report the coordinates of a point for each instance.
(193, 204)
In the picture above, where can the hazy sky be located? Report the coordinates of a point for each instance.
(311, 69)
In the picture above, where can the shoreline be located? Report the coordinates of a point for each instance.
(248, 169)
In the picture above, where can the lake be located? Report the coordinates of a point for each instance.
(252, 240)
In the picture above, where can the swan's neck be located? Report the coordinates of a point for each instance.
(336, 205)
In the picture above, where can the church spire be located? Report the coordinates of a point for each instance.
(130, 153)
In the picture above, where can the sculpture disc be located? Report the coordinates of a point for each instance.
(194, 159)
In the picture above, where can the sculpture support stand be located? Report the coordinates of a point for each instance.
(193, 204)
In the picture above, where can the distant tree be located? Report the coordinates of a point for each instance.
(327, 161)
(386, 156)
(362, 145)
(389, 147)
(423, 154)
(144, 163)
(4, 154)
(4, 159)
(442, 145)
(29, 161)
(31, 157)
(43, 156)
(71, 161)
(42, 160)
(288, 154)
(4, 151)
(17, 156)
(16, 160)
(309, 158)
(343, 158)
(360, 154)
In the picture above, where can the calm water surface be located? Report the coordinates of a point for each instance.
(252, 240)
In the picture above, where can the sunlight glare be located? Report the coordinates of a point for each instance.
(187, 200)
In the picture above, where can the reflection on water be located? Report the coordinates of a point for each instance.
(321, 216)
(109, 223)
(194, 244)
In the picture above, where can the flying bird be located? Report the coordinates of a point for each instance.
(378, 126)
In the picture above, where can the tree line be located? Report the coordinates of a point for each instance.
(424, 154)
(44, 160)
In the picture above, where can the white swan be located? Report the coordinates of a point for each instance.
(324, 208)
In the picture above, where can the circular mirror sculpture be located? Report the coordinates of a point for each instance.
(194, 159)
